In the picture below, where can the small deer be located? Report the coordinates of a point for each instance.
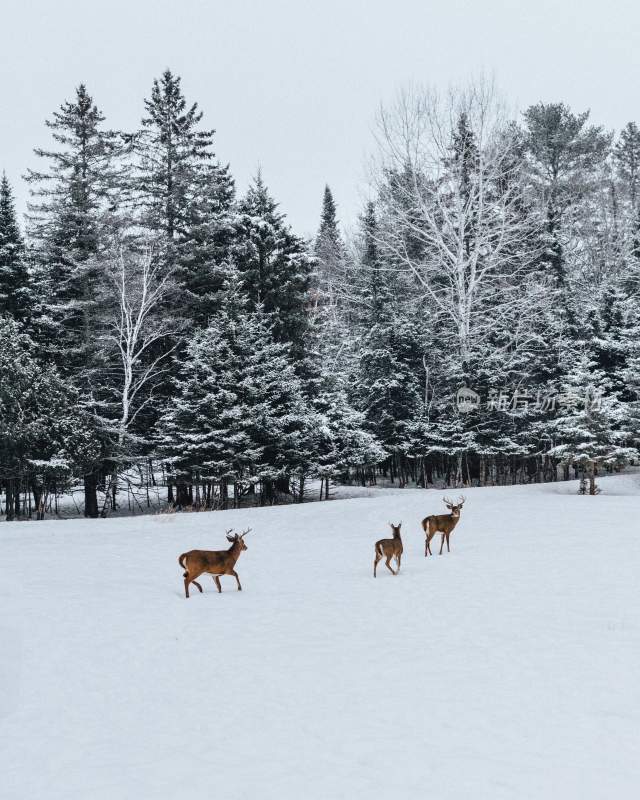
(215, 562)
(442, 524)
(389, 548)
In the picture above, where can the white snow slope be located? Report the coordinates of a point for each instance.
(508, 668)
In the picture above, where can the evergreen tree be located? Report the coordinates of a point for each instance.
(15, 288)
(275, 267)
(627, 157)
(330, 254)
(627, 153)
(184, 196)
(45, 440)
(69, 226)
(564, 156)
(239, 417)
(592, 426)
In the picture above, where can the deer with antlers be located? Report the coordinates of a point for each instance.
(442, 524)
(215, 562)
(389, 548)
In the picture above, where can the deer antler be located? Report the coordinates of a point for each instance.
(461, 500)
(244, 533)
(446, 501)
(228, 532)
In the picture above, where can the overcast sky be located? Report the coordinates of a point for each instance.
(293, 86)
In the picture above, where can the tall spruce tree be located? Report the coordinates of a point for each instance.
(45, 438)
(565, 154)
(627, 158)
(15, 285)
(239, 417)
(275, 267)
(329, 251)
(69, 223)
(184, 196)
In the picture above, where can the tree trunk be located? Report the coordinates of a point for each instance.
(91, 496)
(592, 478)
(10, 504)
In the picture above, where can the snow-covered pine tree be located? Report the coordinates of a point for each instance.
(330, 254)
(16, 296)
(564, 155)
(69, 223)
(387, 380)
(275, 267)
(183, 197)
(627, 162)
(592, 427)
(45, 438)
(239, 417)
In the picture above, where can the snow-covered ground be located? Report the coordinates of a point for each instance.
(509, 668)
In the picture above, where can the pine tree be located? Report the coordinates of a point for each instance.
(184, 196)
(275, 267)
(45, 440)
(330, 254)
(15, 288)
(627, 157)
(564, 156)
(627, 154)
(69, 225)
(592, 426)
(239, 416)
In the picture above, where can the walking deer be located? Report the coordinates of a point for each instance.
(442, 524)
(215, 562)
(389, 548)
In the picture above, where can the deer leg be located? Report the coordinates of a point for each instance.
(441, 544)
(187, 581)
(375, 564)
(217, 582)
(448, 551)
(388, 565)
(235, 575)
(427, 544)
(398, 558)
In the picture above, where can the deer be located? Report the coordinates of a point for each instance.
(389, 548)
(215, 562)
(442, 524)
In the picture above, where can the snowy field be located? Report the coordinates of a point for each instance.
(509, 668)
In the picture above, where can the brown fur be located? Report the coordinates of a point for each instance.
(215, 562)
(442, 524)
(388, 549)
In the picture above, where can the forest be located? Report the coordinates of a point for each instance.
(478, 326)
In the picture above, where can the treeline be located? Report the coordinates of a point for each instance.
(154, 322)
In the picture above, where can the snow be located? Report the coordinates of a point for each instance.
(506, 669)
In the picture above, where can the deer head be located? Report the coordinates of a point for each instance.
(395, 528)
(238, 538)
(454, 508)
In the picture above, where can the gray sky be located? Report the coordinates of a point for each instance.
(293, 86)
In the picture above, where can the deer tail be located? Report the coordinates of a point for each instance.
(182, 564)
(379, 549)
(425, 523)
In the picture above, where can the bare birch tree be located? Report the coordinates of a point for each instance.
(138, 332)
(450, 182)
